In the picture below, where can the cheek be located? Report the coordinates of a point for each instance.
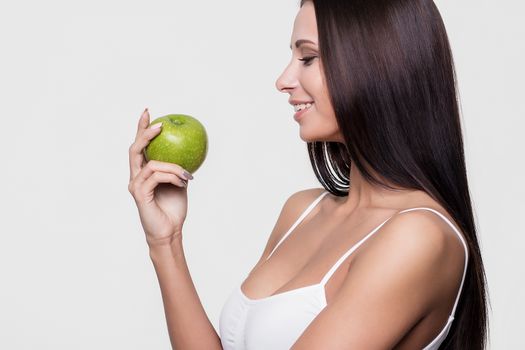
(320, 92)
(327, 120)
(324, 107)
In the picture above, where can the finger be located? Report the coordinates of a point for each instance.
(142, 124)
(136, 151)
(160, 177)
(143, 193)
(147, 135)
(134, 161)
(165, 167)
(143, 121)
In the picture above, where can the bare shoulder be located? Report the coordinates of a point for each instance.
(290, 211)
(298, 201)
(428, 228)
(425, 247)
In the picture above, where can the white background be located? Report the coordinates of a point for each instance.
(74, 78)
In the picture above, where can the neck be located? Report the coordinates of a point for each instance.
(364, 195)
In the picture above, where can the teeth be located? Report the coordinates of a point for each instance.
(302, 106)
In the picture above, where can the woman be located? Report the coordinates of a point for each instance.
(386, 254)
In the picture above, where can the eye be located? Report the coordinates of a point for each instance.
(307, 60)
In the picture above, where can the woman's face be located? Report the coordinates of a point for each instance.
(304, 80)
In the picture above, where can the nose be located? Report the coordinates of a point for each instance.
(286, 81)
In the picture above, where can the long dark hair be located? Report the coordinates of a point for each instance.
(391, 80)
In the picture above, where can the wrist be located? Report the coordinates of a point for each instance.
(169, 247)
(164, 241)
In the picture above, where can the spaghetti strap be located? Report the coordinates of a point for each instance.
(350, 251)
(358, 244)
(298, 221)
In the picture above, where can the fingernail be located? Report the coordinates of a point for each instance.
(155, 126)
(187, 175)
(184, 183)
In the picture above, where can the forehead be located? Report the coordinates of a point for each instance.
(305, 25)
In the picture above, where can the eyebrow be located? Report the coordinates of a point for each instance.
(302, 41)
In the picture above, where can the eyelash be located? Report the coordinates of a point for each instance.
(307, 60)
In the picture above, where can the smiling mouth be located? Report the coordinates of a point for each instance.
(299, 113)
(302, 106)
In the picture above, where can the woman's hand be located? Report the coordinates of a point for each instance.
(159, 189)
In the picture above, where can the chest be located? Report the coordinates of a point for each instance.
(307, 254)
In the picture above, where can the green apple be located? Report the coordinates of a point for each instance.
(182, 140)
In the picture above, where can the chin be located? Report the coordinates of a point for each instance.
(306, 137)
(314, 134)
(310, 138)
(316, 139)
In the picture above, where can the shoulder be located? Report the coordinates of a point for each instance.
(421, 235)
(419, 248)
(426, 232)
(418, 228)
(292, 208)
(300, 200)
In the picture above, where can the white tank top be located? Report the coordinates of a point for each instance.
(276, 322)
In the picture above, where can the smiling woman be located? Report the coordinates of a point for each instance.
(385, 255)
(373, 87)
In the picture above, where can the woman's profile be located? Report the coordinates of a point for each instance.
(385, 255)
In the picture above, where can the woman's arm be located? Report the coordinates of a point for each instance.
(188, 325)
(162, 211)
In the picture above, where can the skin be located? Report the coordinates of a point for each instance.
(395, 291)
(371, 295)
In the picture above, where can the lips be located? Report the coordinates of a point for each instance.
(298, 102)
